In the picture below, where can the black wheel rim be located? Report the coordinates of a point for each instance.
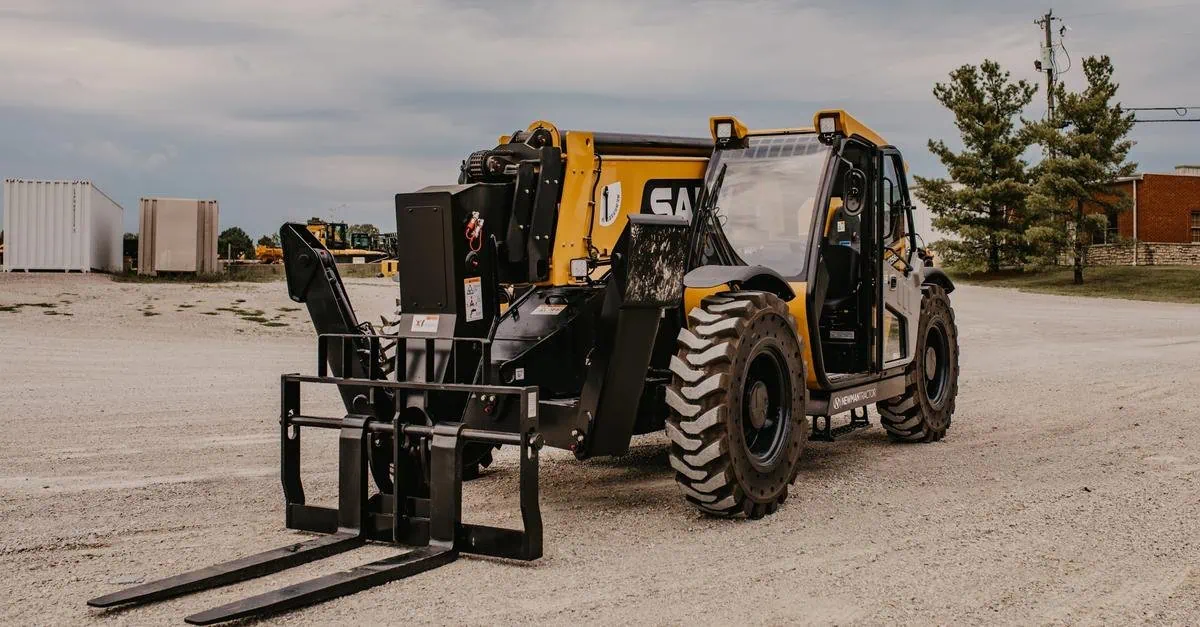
(766, 408)
(936, 364)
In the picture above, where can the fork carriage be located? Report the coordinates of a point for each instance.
(420, 512)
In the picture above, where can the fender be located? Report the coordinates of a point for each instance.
(936, 276)
(748, 277)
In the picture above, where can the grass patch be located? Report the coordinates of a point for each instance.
(149, 313)
(186, 306)
(274, 324)
(1169, 284)
(133, 277)
(51, 312)
(210, 313)
(289, 309)
(258, 319)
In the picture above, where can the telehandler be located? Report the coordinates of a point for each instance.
(575, 289)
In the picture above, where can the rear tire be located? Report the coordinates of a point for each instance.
(736, 405)
(923, 412)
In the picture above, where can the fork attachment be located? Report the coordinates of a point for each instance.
(430, 526)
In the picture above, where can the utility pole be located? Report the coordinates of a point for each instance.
(1046, 63)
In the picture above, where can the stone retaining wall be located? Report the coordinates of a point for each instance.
(1148, 254)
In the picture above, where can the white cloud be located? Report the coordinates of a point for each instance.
(122, 156)
(340, 101)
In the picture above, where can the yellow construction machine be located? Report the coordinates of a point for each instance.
(575, 289)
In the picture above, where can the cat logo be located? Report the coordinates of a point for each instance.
(670, 197)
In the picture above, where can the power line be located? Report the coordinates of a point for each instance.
(1181, 112)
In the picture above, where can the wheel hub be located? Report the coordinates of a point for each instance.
(766, 402)
(937, 364)
(759, 401)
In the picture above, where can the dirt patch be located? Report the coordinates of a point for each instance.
(137, 448)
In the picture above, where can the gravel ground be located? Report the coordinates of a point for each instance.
(138, 446)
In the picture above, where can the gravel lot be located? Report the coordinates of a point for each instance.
(1068, 490)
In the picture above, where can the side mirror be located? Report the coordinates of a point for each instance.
(854, 192)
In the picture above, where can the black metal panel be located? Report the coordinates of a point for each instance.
(545, 213)
(422, 256)
(436, 257)
(518, 223)
(624, 381)
(643, 286)
(546, 337)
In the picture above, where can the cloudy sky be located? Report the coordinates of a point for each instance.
(328, 107)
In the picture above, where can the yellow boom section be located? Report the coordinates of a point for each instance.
(600, 191)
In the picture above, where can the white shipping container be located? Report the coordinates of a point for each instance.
(60, 225)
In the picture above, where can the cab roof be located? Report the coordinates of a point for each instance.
(843, 122)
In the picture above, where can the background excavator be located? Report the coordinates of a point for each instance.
(346, 247)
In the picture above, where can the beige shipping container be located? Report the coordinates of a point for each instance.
(177, 235)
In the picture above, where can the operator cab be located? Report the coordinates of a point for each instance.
(827, 209)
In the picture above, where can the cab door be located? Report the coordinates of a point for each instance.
(900, 285)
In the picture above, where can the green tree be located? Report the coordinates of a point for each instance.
(983, 201)
(369, 229)
(1087, 142)
(271, 240)
(235, 243)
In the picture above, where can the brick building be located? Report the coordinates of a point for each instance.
(1163, 219)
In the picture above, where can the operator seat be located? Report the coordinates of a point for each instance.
(841, 248)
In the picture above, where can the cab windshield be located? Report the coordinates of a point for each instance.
(766, 199)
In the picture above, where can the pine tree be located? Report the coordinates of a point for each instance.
(1087, 143)
(234, 243)
(983, 200)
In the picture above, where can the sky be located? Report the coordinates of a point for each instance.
(282, 111)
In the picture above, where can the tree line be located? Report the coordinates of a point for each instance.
(1006, 213)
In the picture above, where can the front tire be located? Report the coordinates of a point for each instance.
(923, 412)
(736, 405)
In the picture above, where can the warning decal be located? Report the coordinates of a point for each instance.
(425, 323)
(548, 310)
(473, 298)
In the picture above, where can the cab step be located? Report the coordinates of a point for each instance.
(824, 431)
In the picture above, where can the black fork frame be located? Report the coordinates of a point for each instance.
(431, 526)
